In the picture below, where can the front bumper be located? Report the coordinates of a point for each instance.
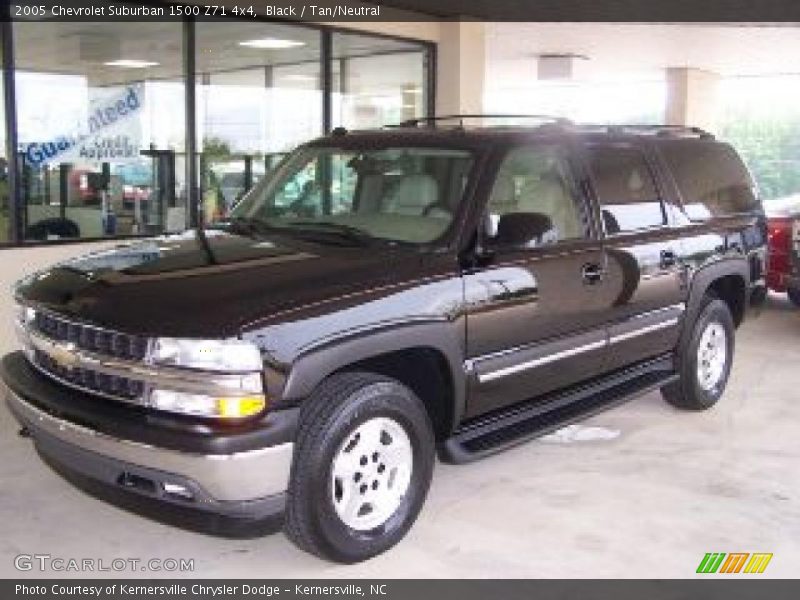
(249, 484)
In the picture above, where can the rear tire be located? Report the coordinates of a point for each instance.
(794, 296)
(705, 363)
(363, 463)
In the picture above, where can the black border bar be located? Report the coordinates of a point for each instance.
(743, 588)
(343, 11)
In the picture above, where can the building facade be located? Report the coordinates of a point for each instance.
(119, 129)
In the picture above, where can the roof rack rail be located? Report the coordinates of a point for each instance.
(661, 130)
(432, 121)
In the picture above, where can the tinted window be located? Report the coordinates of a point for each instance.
(401, 194)
(625, 188)
(536, 181)
(711, 178)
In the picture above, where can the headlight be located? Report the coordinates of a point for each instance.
(24, 314)
(230, 356)
(207, 406)
(225, 357)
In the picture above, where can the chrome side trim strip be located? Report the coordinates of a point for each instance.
(538, 362)
(643, 331)
(199, 382)
(681, 307)
(240, 476)
(471, 364)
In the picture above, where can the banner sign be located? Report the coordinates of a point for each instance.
(112, 132)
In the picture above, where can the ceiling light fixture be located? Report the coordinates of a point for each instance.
(271, 44)
(129, 63)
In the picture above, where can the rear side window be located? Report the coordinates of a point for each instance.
(710, 177)
(625, 188)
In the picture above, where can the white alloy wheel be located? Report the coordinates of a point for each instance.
(712, 356)
(371, 473)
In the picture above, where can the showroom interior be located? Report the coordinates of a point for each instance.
(205, 109)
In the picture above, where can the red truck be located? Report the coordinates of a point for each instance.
(783, 270)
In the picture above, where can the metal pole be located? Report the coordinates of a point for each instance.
(15, 206)
(193, 213)
(326, 77)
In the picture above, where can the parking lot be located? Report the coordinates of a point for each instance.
(640, 491)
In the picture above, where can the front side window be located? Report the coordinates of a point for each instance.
(399, 194)
(625, 188)
(533, 201)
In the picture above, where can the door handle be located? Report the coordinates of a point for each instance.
(591, 273)
(668, 259)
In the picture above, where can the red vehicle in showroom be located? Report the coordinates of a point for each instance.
(783, 271)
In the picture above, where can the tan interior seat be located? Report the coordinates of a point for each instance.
(412, 195)
(503, 199)
(547, 196)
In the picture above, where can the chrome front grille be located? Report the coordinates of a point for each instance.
(114, 386)
(93, 339)
(51, 355)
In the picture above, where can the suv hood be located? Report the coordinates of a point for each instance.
(211, 284)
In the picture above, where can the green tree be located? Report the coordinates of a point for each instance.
(771, 148)
(216, 148)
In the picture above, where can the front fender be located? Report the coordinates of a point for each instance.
(304, 346)
(703, 279)
(445, 337)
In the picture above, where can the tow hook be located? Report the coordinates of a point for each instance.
(24, 432)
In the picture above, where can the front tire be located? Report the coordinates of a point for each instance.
(362, 467)
(704, 365)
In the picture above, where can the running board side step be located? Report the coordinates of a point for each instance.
(499, 430)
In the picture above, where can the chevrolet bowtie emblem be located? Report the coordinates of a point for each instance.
(64, 355)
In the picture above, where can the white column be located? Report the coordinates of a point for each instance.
(461, 68)
(692, 97)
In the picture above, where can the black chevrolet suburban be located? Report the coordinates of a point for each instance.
(382, 297)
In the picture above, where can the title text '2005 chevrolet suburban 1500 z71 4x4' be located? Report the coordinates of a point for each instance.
(381, 296)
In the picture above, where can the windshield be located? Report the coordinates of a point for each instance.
(402, 194)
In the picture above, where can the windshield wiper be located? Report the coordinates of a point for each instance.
(246, 226)
(346, 232)
(251, 226)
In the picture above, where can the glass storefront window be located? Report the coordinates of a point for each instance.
(376, 81)
(258, 96)
(101, 116)
(101, 129)
(5, 221)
